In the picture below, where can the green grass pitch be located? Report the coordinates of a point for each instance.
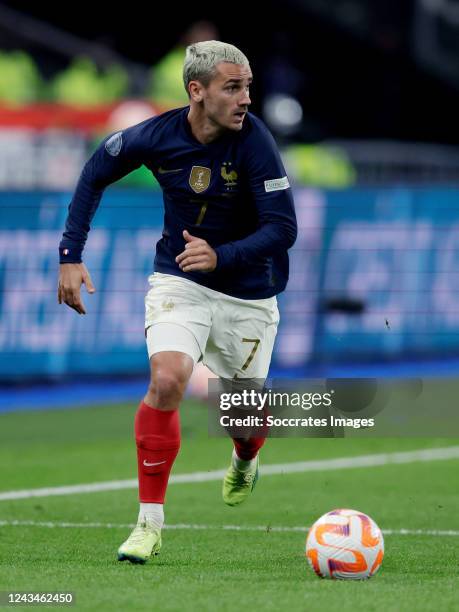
(214, 568)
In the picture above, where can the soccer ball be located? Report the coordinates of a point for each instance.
(345, 544)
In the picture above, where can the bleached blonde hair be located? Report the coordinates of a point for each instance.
(201, 59)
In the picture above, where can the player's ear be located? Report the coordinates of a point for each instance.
(195, 89)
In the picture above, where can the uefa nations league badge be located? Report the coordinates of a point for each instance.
(114, 144)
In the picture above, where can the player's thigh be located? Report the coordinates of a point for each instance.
(166, 339)
(242, 338)
(177, 318)
(173, 351)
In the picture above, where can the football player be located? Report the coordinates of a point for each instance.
(228, 222)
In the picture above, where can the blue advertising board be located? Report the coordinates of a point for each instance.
(393, 252)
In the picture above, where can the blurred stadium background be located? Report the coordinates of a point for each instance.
(362, 98)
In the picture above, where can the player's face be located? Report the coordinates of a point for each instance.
(226, 98)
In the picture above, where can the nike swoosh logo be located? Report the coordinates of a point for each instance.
(161, 170)
(146, 464)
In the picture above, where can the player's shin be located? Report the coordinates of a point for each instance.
(157, 435)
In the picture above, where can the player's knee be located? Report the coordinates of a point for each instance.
(167, 389)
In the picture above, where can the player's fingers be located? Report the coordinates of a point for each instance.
(185, 254)
(78, 303)
(196, 242)
(192, 260)
(88, 282)
(203, 266)
(188, 237)
(79, 309)
(78, 306)
(199, 249)
(67, 296)
(72, 299)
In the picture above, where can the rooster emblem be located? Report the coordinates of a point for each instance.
(230, 176)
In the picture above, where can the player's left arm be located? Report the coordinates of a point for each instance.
(270, 188)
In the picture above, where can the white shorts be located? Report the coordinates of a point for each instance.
(232, 337)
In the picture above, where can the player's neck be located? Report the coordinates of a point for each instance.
(204, 130)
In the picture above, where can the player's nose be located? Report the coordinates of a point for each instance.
(245, 100)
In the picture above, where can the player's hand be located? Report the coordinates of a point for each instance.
(71, 277)
(198, 255)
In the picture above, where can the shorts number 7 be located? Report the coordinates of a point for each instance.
(249, 359)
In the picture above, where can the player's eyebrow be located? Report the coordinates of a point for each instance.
(237, 80)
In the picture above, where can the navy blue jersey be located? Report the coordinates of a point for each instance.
(233, 193)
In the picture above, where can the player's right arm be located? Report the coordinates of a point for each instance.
(117, 156)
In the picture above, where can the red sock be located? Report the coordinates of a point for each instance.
(157, 435)
(248, 449)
